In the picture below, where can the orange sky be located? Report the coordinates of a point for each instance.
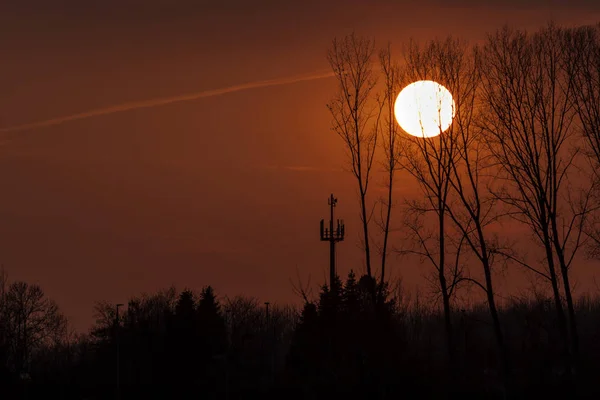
(225, 190)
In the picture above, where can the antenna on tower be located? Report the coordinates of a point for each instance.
(332, 236)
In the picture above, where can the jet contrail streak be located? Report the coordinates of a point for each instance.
(165, 100)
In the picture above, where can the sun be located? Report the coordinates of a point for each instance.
(424, 109)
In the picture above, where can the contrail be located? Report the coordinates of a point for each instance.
(165, 100)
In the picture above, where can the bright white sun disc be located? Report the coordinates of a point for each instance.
(424, 109)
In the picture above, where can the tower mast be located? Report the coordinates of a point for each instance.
(332, 236)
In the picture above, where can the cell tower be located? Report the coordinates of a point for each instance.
(332, 236)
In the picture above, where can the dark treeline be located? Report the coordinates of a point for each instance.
(342, 345)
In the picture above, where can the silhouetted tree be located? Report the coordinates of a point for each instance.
(429, 160)
(583, 54)
(345, 345)
(471, 206)
(212, 338)
(212, 324)
(186, 345)
(31, 321)
(529, 95)
(147, 363)
(390, 144)
(351, 296)
(351, 59)
(583, 51)
(5, 373)
(303, 363)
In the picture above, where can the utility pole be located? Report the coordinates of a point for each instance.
(117, 326)
(332, 236)
(267, 305)
(270, 344)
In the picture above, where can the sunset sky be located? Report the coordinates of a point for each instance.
(226, 189)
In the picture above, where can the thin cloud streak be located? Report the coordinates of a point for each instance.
(302, 168)
(166, 100)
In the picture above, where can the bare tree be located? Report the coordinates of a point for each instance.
(473, 207)
(4, 332)
(32, 321)
(351, 60)
(584, 58)
(301, 290)
(529, 93)
(390, 144)
(583, 46)
(155, 308)
(429, 160)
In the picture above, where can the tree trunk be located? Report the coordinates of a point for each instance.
(387, 226)
(502, 349)
(445, 295)
(365, 226)
(568, 296)
(560, 313)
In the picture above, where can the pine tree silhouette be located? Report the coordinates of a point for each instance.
(213, 342)
(351, 296)
(304, 357)
(184, 345)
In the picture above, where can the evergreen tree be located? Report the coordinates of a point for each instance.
(304, 358)
(213, 341)
(367, 286)
(184, 347)
(213, 332)
(330, 302)
(185, 308)
(351, 296)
